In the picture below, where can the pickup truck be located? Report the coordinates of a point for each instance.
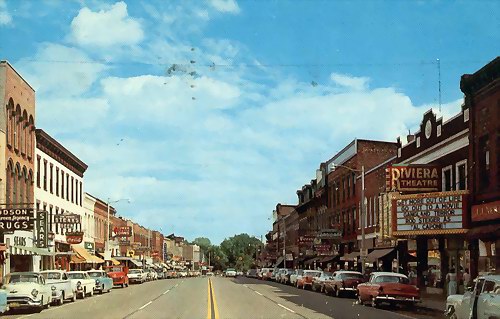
(60, 286)
(81, 283)
(119, 274)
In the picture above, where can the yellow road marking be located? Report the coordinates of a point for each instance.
(209, 310)
(216, 309)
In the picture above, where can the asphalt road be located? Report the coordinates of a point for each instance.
(213, 298)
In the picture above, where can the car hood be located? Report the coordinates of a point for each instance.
(454, 299)
(116, 274)
(21, 288)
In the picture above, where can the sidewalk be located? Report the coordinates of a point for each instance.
(432, 301)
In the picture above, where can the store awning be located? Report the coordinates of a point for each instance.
(310, 261)
(328, 259)
(377, 254)
(279, 262)
(350, 257)
(24, 250)
(82, 256)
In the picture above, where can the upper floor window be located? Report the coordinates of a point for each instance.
(348, 186)
(38, 168)
(44, 175)
(51, 174)
(447, 179)
(461, 175)
(484, 162)
(57, 181)
(62, 184)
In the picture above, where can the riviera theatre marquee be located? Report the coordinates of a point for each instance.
(438, 213)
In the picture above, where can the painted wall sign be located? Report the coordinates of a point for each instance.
(430, 213)
(486, 211)
(42, 226)
(122, 231)
(413, 178)
(17, 219)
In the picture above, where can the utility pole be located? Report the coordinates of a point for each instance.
(363, 213)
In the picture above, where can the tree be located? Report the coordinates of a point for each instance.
(203, 242)
(240, 250)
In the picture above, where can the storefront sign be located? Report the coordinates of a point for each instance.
(430, 213)
(89, 246)
(330, 234)
(17, 219)
(124, 243)
(413, 178)
(305, 240)
(65, 219)
(486, 211)
(20, 241)
(122, 231)
(74, 238)
(42, 225)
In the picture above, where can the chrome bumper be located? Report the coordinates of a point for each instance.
(397, 299)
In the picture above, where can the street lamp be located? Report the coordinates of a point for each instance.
(363, 210)
(107, 228)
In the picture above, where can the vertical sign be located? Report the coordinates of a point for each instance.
(41, 229)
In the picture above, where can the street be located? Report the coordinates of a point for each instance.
(213, 298)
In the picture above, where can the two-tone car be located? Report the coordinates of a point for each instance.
(343, 282)
(4, 306)
(60, 285)
(82, 283)
(318, 283)
(27, 290)
(480, 302)
(305, 281)
(295, 276)
(103, 283)
(389, 288)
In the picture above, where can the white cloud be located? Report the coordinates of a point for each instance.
(58, 70)
(106, 28)
(226, 6)
(350, 82)
(5, 17)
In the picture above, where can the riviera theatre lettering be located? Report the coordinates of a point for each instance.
(17, 219)
(435, 212)
(414, 178)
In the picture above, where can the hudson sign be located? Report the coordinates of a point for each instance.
(413, 178)
(429, 214)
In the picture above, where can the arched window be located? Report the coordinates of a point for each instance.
(17, 127)
(15, 184)
(31, 136)
(10, 110)
(23, 131)
(8, 186)
(29, 185)
(22, 185)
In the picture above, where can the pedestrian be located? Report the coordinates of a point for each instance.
(466, 278)
(451, 280)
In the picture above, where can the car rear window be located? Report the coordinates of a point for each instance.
(351, 276)
(394, 279)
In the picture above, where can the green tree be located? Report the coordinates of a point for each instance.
(204, 244)
(240, 250)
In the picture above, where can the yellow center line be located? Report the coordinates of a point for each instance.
(209, 310)
(216, 309)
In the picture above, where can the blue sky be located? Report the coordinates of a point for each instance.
(273, 89)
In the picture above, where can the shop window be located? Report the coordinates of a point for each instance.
(461, 175)
(447, 179)
(484, 162)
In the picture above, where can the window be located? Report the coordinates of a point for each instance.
(57, 181)
(337, 191)
(348, 186)
(461, 175)
(67, 186)
(38, 168)
(353, 184)
(343, 189)
(44, 175)
(51, 179)
(447, 179)
(484, 162)
(81, 193)
(76, 192)
(489, 286)
(62, 184)
(51, 220)
(57, 225)
(72, 189)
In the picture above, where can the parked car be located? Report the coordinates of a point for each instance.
(282, 275)
(482, 301)
(296, 275)
(252, 273)
(318, 283)
(259, 273)
(230, 272)
(4, 306)
(306, 279)
(160, 274)
(27, 290)
(388, 287)
(81, 283)
(137, 276)
(151, 274)
(343, 282)
(103, 283)
(119, 275)
(266, 273)
(60, 286)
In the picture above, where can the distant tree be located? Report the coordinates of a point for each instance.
(240, 250)
(203, 242)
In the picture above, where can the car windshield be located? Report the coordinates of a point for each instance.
(95, 274)
(134, 271)
(21, 278)
(312, 273)
(51, 275)
(391, 279)
(76, 275)
(350, 276)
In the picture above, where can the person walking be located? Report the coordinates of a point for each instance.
(451, 280)
(466, 278)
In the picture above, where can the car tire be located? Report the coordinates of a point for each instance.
(91, 292)
(47, 306)
(337, 292)
(360, 301)
(61, 301)
(373, 302)
(75, 295)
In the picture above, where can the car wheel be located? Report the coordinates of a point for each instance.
(75, 295)
(337, 292)
(47, 306)
(322, 289)
(61, 301)
(360, 301)
(373, 302)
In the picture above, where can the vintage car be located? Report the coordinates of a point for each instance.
(137, 276)
(296, 275)
(480, 302)
(230, 272)
(266, 273)
(103, 283)
(318, 283)
(4, 307)
(307, 278)
(119, 275)
(388, 287)
(343, 282)
(284, 276)
(60, 285)
(27, 290)
(82, 283)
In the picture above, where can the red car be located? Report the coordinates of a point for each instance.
(343, 282)
(307, 278)
(118, 274)
(388, 287)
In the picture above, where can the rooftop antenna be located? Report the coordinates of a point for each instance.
(439, 82)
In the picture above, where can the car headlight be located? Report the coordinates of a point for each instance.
(34, 293)
(53, 288)
(78, 284)
(97, 281)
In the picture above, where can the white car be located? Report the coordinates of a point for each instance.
(137, 276)
(483, 299)
(60, 285)
(81, 283)
(296, 275)
(230, 272)
(27, 290)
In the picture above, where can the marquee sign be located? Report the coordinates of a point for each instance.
(429, 213)
(17, 219)
(486, 211)
(413, 178)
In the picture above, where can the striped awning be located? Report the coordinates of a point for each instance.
(25, 250)
(83, 256)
